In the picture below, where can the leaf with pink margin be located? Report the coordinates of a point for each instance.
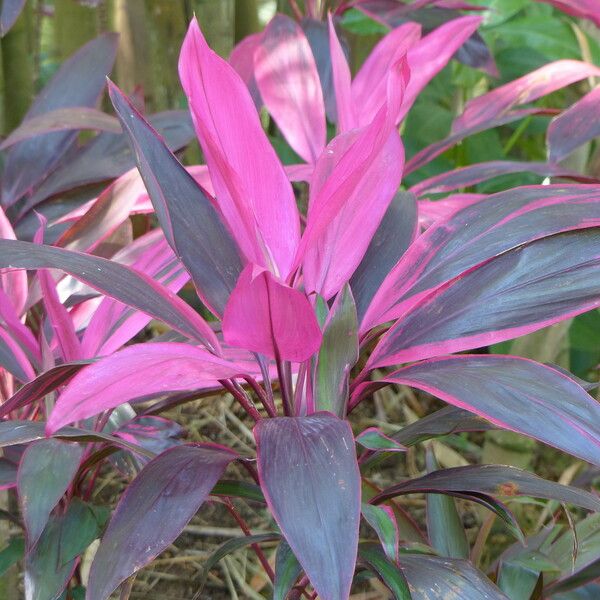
(134, 372)
(348, 199)
(575, 126)
(430, 55)
(585, 9)
(340, 70)
(266, 316)
(289, 84)
(523, 290)
(20, 332)
(244, 169)
(112, 279)
(383, 520)
(530, 87)
(431, 211)
(513, 393)
(192, 225)
(242, 60)
(78, 83)
(13, 357)
(153, 511)
(369, 88)
(373, 438)
(478, 232)
(14, 283)
(308, 472)
(478, 172)
(432, 151)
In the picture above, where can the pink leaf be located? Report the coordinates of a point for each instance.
(266, 316)
(14, 283)
(242, 60)
(135, 372)
(289, 84)
(586, 9)
(254, 193)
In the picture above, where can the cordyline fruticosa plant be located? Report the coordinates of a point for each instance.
(314, 307)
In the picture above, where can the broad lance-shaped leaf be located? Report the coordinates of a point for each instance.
(13, 358)
(431, 54)
(347, 197)
(134, 373)
(514, 393)
(45, 472)
(153, 511)
(383, 521)
(13, 283)
(244, 169)
(309, 474)
(78, 83)
(476, 173)
(287, 571)
(534, 85)
(374, 439)
(337, 355)
(432, 577)
(191, 223)
(242, 60)
(474, 234)
(585, 9)
(11, 9)
(497, 480)
(576, 126)
(112, 279)
(266, 316)
(386, 570)
(369, 85)
(518, 292)
(395, 233)
(288, 81)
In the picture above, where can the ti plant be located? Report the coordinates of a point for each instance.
(312, 310)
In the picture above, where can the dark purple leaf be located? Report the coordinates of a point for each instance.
(112, 279)
(473, 174)
(191, 223)
(11, 9)
(518, 292)
(45, 473)
(13, 358)
(108, 156)
(394, 235)
(37, 388)
(62, 119)
(78, 83)
(514, 393)
(153, 511)
(432, 578)
(8, 474)
(477, 232)
(309, 475)
(496, 480)
(578, 124)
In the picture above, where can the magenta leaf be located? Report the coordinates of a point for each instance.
(395, 233)
(341, 80)
(243, 166)
(495, 480)
(513, 393)
(289, 84)
(117, 281)
(78, 83)
(133, 373)
(153, 511)
(191, 223)
(242, 60)
(478, 232)
(520, 291)
(530, 87)
(575, 126)
(585, 9)
(266, 316)
(309, 475)
(45, 472)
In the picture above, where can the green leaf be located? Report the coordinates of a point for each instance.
(287, 571)
(11, 554)
(357, 22)
(382, 520)
(386, 570)
(238, 489)
(374, 439)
